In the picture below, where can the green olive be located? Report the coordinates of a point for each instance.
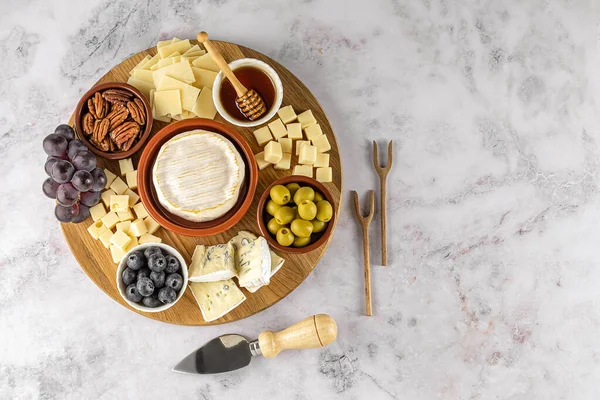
(318, 226)
(285, 237)
(301, 228)
(304, 193)
(272, 207)
(285, 215)
(307, 210)
(293, 188)
(301, 242)
(318, 197)
(273, 226)
(324, 211)
(280, 194)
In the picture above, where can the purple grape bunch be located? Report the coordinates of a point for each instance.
(74, 179)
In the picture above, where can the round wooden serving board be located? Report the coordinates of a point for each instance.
(97, 262)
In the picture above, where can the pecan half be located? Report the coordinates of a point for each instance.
(137, 112)
(103, 145)
(101, 130)
(100, 105)
(124, 132)
(117, 115)
(88, 124)
(111, 144)
(117, 96)
(92, 107)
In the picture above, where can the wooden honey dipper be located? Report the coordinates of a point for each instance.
(248, 101)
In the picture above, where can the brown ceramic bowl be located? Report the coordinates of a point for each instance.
(82, 109)
(173, 222)
(262, 217)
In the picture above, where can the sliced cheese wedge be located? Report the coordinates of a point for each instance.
(203, 77)
(189, 93)
(216, 299)
(206, 62)
(212, 263)
(254, 268)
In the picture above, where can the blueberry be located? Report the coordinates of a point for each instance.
(152, 301)
(132, 293)
(145, 286)
(174, 281)
(152, 250)
(172, 264)
(136, 260)
(167, 295)
(158, 278)
(143, 273)
(129, 276)
(157, 262)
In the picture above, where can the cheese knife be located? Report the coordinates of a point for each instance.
(231, 352)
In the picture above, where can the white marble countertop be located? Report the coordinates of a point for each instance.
(493, 289)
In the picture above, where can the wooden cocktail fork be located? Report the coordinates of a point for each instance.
(248, 101)
(364, 222)
(383, 171)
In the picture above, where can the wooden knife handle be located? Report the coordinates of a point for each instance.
(316, 331)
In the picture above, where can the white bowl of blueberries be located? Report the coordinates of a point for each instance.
(152, 277)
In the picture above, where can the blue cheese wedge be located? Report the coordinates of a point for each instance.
(212, 263)
(216, 299)
(254, 268)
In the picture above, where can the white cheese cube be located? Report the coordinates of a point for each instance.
(260, 160)
(322, 160)
(149, 238)
(324, 174)
(151, 225)
(312, 131)
(110, 177)
(287, 114)
(131, 179)
(285, 162)
(105, 237)
(125, 166)
(278, 129)
(117, 254)
(125, 215)
(134, 242)
(138, 228)
(321, 143)
(263, 135)
(124, 226)
(308, 155)
(306, 119)
(97, 211)
(216, 299)
(119, 203)
(120, 239)
(118, 186)
(273, 152)
(299, 145)
(212, 263)
(106, 196)
(133, 197)
(110, 219)
(294, 130)
(303, 170)
(97, 229)
(254, 263)
(286, 145)
(140, 210)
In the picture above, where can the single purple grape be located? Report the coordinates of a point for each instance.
(90, 199)
(62, 171)
(66, 213)
(67, 195)
(99, 179)
(49, 187)
(75, 146)
(65, 131)
(84, 212)
(50, 161)
(84, 160)
(55, 145)
(82, 180)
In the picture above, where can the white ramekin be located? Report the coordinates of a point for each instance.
(251, 62)
(123, 264)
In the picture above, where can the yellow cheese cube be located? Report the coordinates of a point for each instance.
(260, 160)
(140, 210)
(110, 219)
(287, 114)
(312, 131)
(96, 229)
(294, 130)
(286, 145)
(120, 239)
(117, 254)
(189, 93)
(285, 162)
(321, 143)
(131, 179)
(151, 225)
(306, 119)
(263, 135)
(324, 174)
(110, 177)
(204, 106)
(106, 196)
(124, 226)
(133, 197)
(138, 227)
(278, 129)
(206, 62)
(105, 237)
(308, 154)
(303, 170)
(118, 186)
(273, 152)
(134, 242)
(299, 145)
(125, 215)
(119, 203)
(167, 102)
(149, 238)
(97, 211)
(322, 160)
(203, 77)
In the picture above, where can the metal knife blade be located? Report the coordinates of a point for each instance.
(222, 354)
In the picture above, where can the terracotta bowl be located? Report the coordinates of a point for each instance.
(82, 109)
(262, 217)
(173, 222)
